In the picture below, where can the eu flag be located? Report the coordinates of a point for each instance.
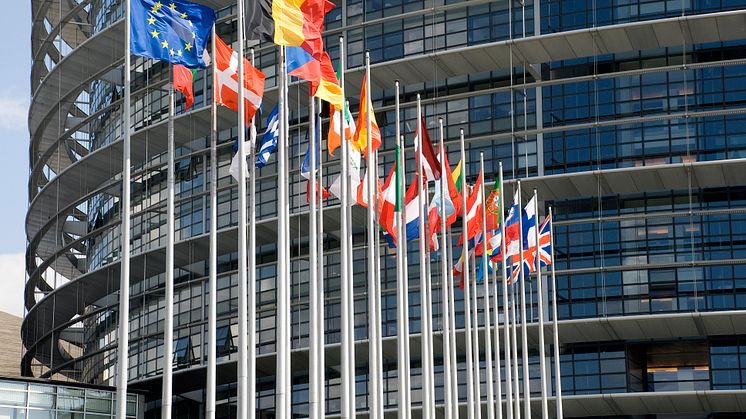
(175, 31)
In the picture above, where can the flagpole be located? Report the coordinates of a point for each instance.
(516, 360)
(401, 277)
(124, 280)
(427, 390)
(540, 295)
(374, 376)
(447, 388)
(213, 263)
(555, 328)
(315, 394)
(475, 335)
(347, 328)
(251, 328)
(320, 288)
(498, 373)
(379, 334)
(283, 294)
(506, 308)
(467, 313)
(243, 354)
(405, 289)
(524, 336)
(429, 303)
(455, 413)
(486, 290)
(168, 332)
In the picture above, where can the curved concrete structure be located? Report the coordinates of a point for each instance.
(631, 125)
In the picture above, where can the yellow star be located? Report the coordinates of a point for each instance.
(154, 9)
(173, 6)
(158, 5)
(155, 33)
(188, 46)
(165, 44)
(171, 51)
(151, 20)
(183, 15)
(178, 53)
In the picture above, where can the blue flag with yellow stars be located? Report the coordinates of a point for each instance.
(176, 31)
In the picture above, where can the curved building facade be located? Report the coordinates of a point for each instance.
(628, 118)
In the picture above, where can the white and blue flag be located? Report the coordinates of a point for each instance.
(249, 144)
(305, 166)
(269, 139)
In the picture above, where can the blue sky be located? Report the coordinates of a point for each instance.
(15, 31)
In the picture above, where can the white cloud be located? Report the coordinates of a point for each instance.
(12, 280)
(13, 112)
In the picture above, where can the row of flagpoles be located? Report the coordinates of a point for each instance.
(518, 244)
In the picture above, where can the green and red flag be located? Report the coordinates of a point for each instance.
(494, 205)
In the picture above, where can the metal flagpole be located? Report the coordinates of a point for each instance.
(124, 281)
(374, 373)
(524, 336)
(168, 326)
(470, 408)
(283, 278)
(313, 353)
(405, 290)
(540, 295)
(286, 218)
(379, 334)
(475, 336)
(320, 288)
(486, 289)
(496, 310)
(498, 373)
(516, 360)
(429, 304)
(243, 354)
(506, 307)
(555, 329)
(213, 263)
(251, 309)
(447, 388)
(427, 388)
(401, 279)
(347, 328)
(452, 338)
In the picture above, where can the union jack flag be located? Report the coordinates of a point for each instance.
(529, 254)
(545, 242)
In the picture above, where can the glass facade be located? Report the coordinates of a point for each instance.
(20, 399)
(639, 253)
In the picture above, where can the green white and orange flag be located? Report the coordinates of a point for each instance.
(334, 140)
(362, 136)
